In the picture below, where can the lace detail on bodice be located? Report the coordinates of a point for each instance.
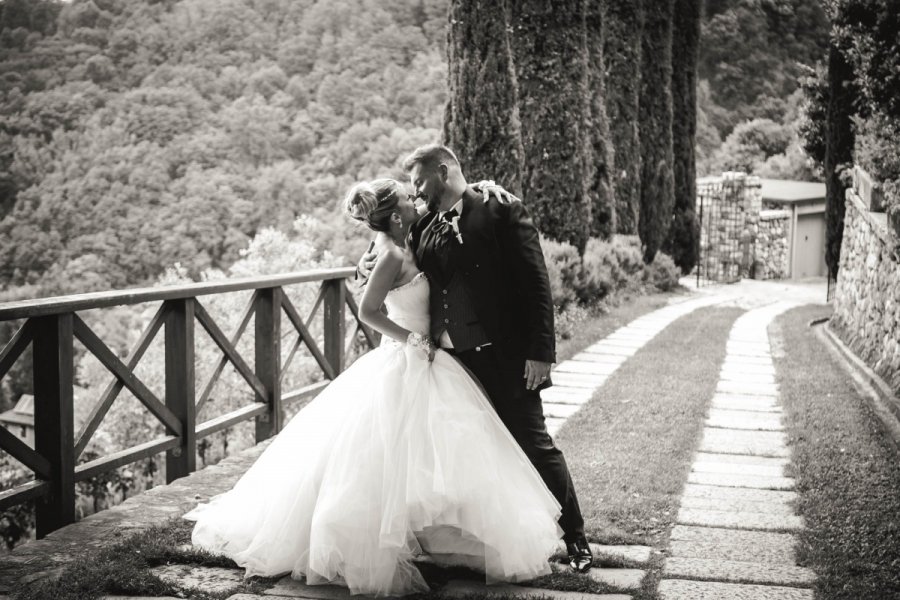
(407, 306)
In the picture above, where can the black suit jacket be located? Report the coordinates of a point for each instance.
(504, 274)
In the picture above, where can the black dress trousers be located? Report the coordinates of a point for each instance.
(521, 411)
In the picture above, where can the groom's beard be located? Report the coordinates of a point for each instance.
(434, 204)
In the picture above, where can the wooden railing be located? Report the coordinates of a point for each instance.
(51, 325)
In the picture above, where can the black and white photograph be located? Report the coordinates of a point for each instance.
(450, 299)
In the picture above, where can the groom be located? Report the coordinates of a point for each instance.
(491, 308)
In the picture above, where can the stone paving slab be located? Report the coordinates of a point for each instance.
(772, 464)
(768, 399)
(742, 419)
(292, 588)
(757, 389)
(460, 588)
(561, 379)
(634, 342)
(702, 465)
(734, 403)
(593, 355)
(713, 492)
(562, 411)
(737, 441)
(733, 365)
(620, 351)
(638, 554)
(211, 580)
(776, 551)
(737, 571)
(595, 379)
(739, 520)
(624, 579)
(560, 397)
(682, 589)
(553, 424)
(753, 378)
(589, 368)
(772, 508)
(763, 361)
(742, 481)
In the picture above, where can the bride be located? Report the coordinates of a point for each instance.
(401, 455)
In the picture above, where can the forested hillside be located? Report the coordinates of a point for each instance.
(753, 55)
(140, 134)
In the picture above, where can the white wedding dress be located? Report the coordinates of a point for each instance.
(395, 458)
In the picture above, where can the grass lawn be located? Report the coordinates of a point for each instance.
(630, 448)
(629, 451)
(848, 474)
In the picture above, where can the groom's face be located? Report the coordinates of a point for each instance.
(430, 183)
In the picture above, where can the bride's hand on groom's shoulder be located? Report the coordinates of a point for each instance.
(487, 188)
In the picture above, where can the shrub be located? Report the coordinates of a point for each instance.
(662, 273)
(563, 267)
(608, 266)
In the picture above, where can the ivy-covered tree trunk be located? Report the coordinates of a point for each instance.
(602, 185)
(622, 60)
(548, 41)
(657, 182)
(481, 118)
(682, 243)
(838, 151)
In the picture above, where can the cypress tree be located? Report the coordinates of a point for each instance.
(657, 181)
(838, 151)
(550, 56)
(602, 183)
(481, 118)
(684, 234)
(622, 58)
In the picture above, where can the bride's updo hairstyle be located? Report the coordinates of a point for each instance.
(373, 202)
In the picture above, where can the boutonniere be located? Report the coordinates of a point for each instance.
(454, 223)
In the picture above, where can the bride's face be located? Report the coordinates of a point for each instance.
(406, 208)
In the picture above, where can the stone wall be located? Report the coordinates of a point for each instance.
(737, 237)
(867, 294)
(772, 247)
(730, 212)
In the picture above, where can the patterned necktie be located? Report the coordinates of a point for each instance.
(442, 227)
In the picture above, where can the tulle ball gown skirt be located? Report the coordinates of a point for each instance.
(396, 458)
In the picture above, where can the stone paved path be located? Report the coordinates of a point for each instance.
(576, 380)
(734, 537)
(740, 468)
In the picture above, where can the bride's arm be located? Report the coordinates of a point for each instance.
(380, 282)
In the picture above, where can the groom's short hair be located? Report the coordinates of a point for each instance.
(430, 155)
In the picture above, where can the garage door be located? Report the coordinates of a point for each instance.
(809, 247)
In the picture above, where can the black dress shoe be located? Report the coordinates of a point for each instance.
(580, 557)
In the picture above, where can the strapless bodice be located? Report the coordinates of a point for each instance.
(407, 305)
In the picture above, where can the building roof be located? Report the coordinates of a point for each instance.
(22, 413)
(789, 192)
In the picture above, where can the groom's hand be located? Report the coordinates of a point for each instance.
(536, 373)
(487, 187)
(367, 262)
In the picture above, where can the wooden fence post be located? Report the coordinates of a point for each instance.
(268, 361)
(335, 302)
(54, 436)
(180, 394)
